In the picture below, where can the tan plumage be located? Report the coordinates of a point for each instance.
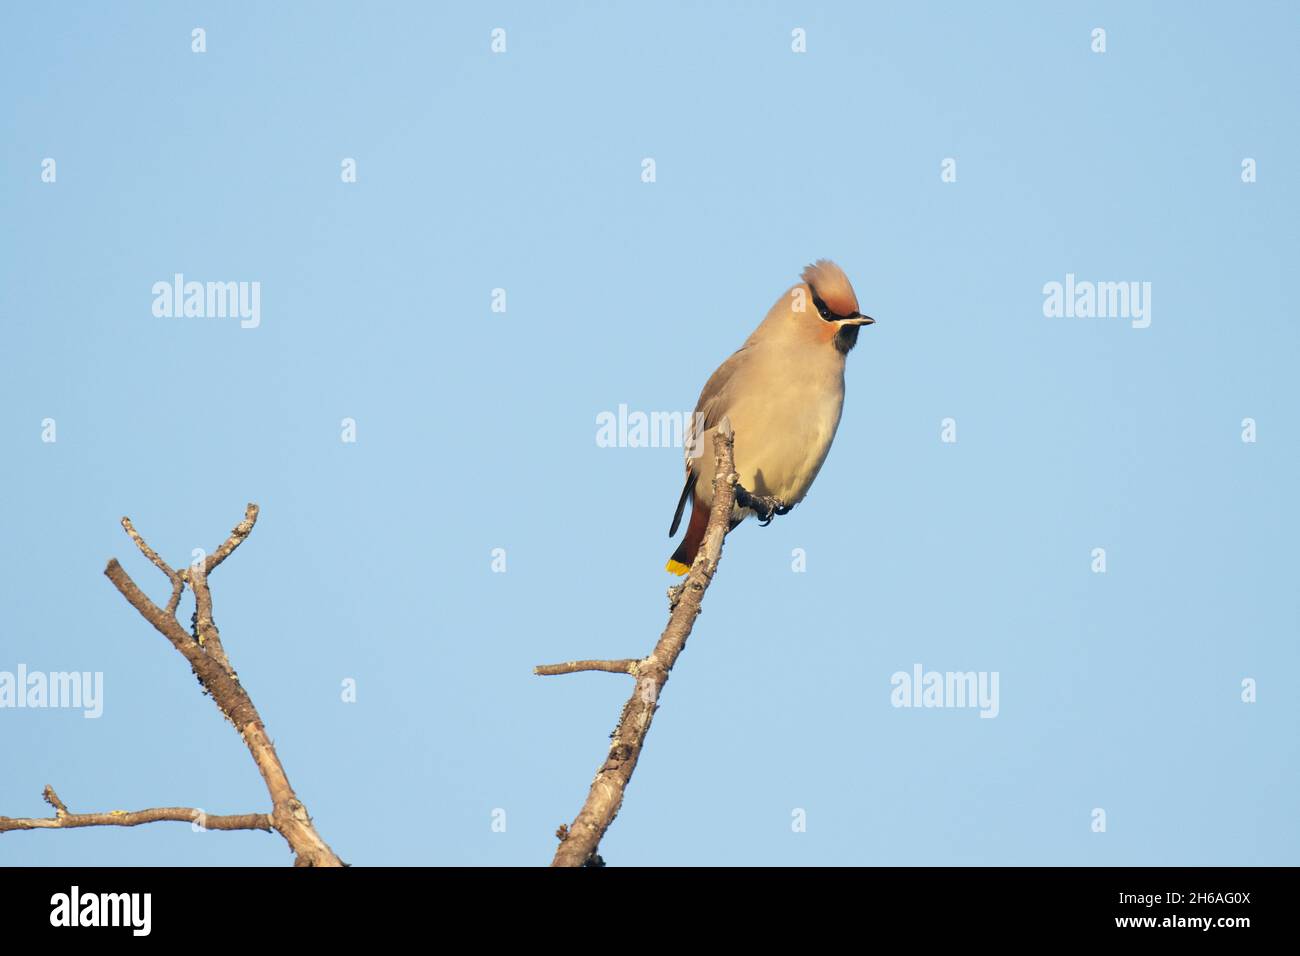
(783, 392)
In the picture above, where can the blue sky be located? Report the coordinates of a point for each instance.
(476, 429)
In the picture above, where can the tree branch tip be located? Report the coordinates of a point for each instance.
(625, 666)
(52, 798)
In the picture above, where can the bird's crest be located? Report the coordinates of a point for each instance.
(832, 285)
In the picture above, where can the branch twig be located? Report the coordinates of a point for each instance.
(628, 666)
(207, 658)
(580, 840)
(204, 627)
(237, 536)
(177, 580)
(63, 820)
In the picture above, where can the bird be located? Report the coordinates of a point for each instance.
(783, 393)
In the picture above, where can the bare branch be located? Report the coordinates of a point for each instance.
(147, 551)
(63, 820)
(53, 800)
(628, 666)
(163, 622)
(237, 536)
(174, 601)
(580, 840)
(207, 658)
(206, 629)
(177, 580)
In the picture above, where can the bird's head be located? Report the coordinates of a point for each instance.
(826, 307)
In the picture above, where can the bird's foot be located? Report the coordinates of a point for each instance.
(765, 507)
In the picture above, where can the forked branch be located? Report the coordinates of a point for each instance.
(207, 658)
(580, 839)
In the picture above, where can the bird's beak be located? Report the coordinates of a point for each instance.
(859, 320)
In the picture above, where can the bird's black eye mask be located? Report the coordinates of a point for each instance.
(825, 311)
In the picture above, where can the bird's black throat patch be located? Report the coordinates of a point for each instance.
(846, 338)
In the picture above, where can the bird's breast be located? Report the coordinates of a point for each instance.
(782, 450)
(785, 417)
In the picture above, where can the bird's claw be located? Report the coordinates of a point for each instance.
(765, 507)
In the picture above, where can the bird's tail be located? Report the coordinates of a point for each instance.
(683, 557)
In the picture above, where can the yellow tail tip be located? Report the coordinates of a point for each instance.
(676, 567)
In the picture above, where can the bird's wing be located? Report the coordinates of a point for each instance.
(714, 401)
(708, 412)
